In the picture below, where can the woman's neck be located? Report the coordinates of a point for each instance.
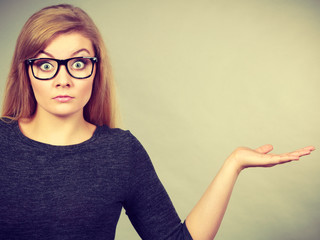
(57, 130)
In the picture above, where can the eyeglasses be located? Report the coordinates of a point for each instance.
(48, 68)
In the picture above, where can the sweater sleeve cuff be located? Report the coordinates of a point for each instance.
(186, 232)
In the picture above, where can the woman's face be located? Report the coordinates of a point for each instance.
(63, 95)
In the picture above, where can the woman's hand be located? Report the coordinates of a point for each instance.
(205, 218)
(245, 157)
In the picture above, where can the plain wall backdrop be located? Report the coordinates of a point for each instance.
(198, 78)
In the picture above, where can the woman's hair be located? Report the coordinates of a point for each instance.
(41, 27)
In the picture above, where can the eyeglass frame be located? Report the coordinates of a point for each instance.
(64, 62)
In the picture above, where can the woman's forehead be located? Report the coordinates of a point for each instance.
(69, 44)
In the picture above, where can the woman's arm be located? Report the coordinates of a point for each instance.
(205, 218)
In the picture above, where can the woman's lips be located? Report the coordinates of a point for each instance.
(63, 99)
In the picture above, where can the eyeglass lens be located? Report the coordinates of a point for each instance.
(77, 67)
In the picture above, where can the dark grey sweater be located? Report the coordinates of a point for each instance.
(78, 191)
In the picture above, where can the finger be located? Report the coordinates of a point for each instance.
(303, 151)
(264, 149)
(283, 158)
(300, 153)
(272, 160)
(311, 148)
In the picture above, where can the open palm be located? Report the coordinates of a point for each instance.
(261, 157)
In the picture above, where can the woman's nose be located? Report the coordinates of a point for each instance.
(63, 78)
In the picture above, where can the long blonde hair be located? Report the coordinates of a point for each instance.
(41, 27)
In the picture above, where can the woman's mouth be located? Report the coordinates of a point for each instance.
(63, 99)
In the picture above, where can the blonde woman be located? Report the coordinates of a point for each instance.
(66, 170)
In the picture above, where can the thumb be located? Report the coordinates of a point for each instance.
(264, 149)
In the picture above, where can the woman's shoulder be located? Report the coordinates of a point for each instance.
(117, 136)
(7, 123)
(7, 129)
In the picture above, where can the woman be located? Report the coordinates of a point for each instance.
(66, 171)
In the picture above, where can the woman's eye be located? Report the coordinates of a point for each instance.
(45, 66)
(78, 65)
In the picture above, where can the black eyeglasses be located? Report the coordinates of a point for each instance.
(48, 68)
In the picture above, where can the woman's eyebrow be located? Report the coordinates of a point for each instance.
(44, 52)
(72, 55)
(80, 50)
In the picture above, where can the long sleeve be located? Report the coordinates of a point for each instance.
(148, 205)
